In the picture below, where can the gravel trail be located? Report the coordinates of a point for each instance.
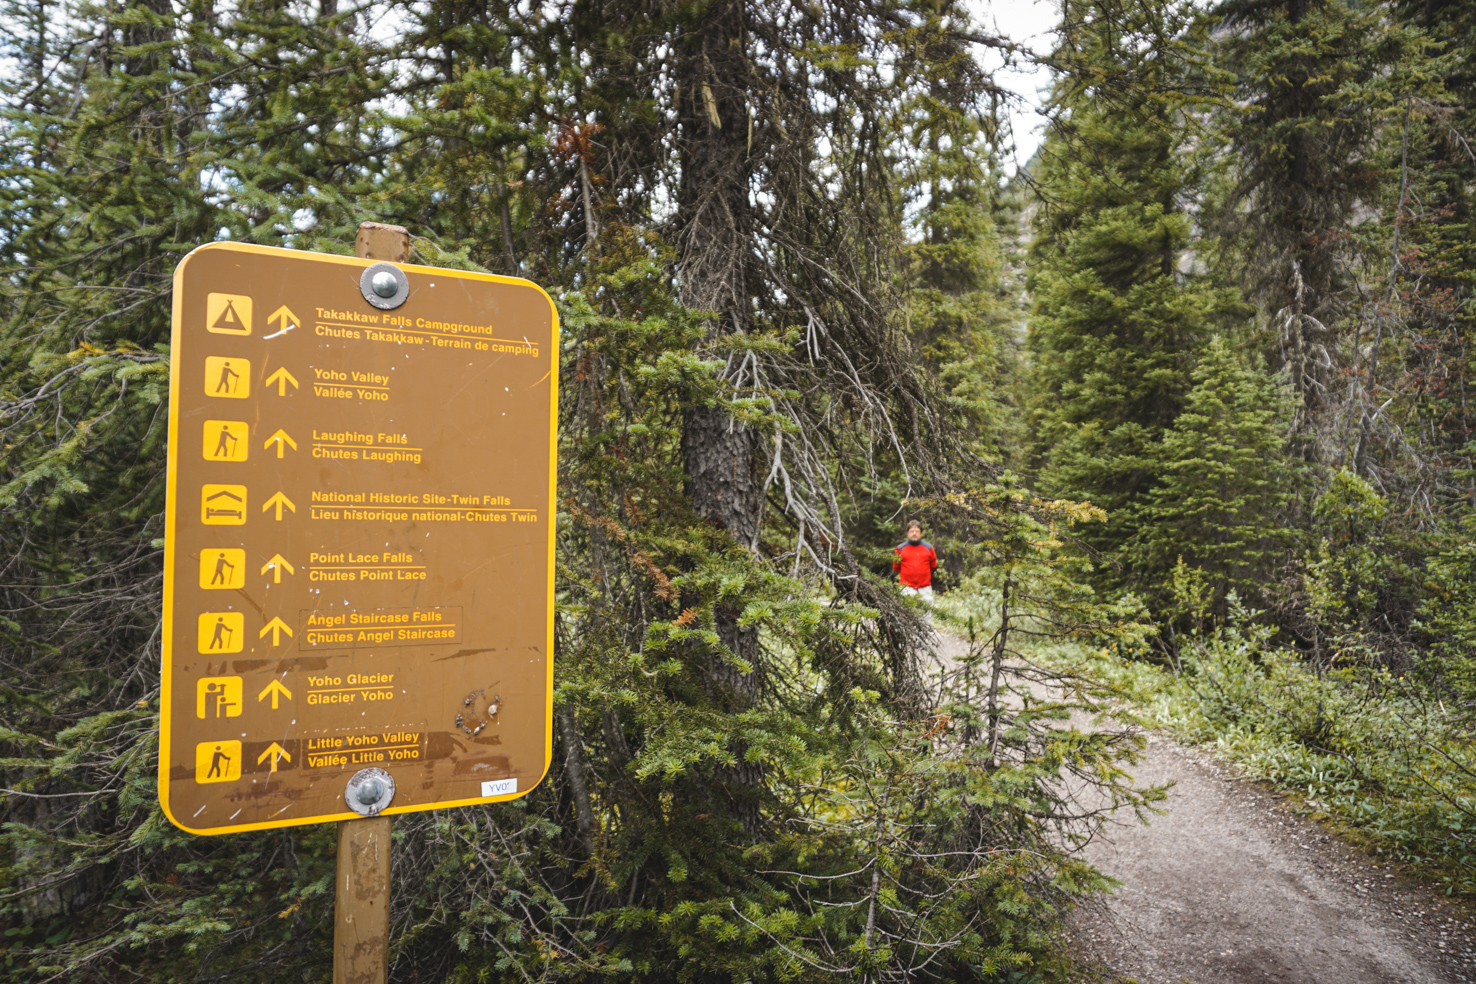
(1228, 887)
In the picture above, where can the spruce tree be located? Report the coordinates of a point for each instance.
(710, 191)
(1116, 321)
(1223, 484)
(1316, 81)
(1431, 272)
(959, 279)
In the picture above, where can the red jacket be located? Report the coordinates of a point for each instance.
(915, 563)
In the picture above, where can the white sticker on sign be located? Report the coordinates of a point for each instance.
(499, 787)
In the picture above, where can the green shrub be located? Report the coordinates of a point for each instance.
(1370, 750)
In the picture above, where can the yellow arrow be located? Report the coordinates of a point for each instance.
(281, 437)
(281, 377)
(276, 565)
(285, 318)
(276, 689)
(274, 752)
(276, 627)
(279, 500)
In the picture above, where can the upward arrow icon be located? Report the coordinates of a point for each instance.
(281, 437)
(279, 500)
(276, 565)
(281, 377)
(276, 753)
(276, 627)
(276, 690)
(284, 317)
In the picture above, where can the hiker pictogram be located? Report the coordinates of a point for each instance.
(217, 761)
(221, 632)
(222, 569)
(226, 440)
(218, 697)
(228, 377)
(228, 314)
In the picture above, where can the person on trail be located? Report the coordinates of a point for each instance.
(916, 561)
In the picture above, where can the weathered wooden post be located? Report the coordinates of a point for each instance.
(361, 907)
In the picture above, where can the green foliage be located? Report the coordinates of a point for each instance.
(1366, 580)
(959, 308)
(754, 780)
(1360, 746)
(702, 788)
(1116, 321)
(1317, 81)
(1223, 483)
(1447, 617)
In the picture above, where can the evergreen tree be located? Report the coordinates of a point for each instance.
(1223, 484)
(1315, 82)
(959, 279)
(1363, 585)
(1115, 322)
(145, 135)
(1448, 618)
(1430, 271)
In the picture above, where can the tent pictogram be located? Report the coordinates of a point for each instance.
(228, 314)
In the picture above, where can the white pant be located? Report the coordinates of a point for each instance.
(926, 594)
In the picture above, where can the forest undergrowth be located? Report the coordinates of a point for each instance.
(1366, 752)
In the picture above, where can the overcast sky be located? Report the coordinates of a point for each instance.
(1028, 22)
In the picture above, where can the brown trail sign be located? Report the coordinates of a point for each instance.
(358, 559)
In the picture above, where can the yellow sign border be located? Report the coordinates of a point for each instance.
(172, 504)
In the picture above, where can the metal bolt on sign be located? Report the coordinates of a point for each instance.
(385, 286)
(369, 792)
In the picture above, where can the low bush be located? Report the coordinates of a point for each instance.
(1372, 752)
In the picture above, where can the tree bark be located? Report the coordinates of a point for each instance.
(578, 783)
(715, 237)
(715, 232)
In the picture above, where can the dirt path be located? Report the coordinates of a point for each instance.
(1229, 887)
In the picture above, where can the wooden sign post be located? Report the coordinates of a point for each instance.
(362, 898)
(358, 590)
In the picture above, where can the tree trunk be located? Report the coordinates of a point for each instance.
(715, 236)
(578, 782)
(715, 231)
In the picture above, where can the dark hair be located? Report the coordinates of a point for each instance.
(911, 523)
